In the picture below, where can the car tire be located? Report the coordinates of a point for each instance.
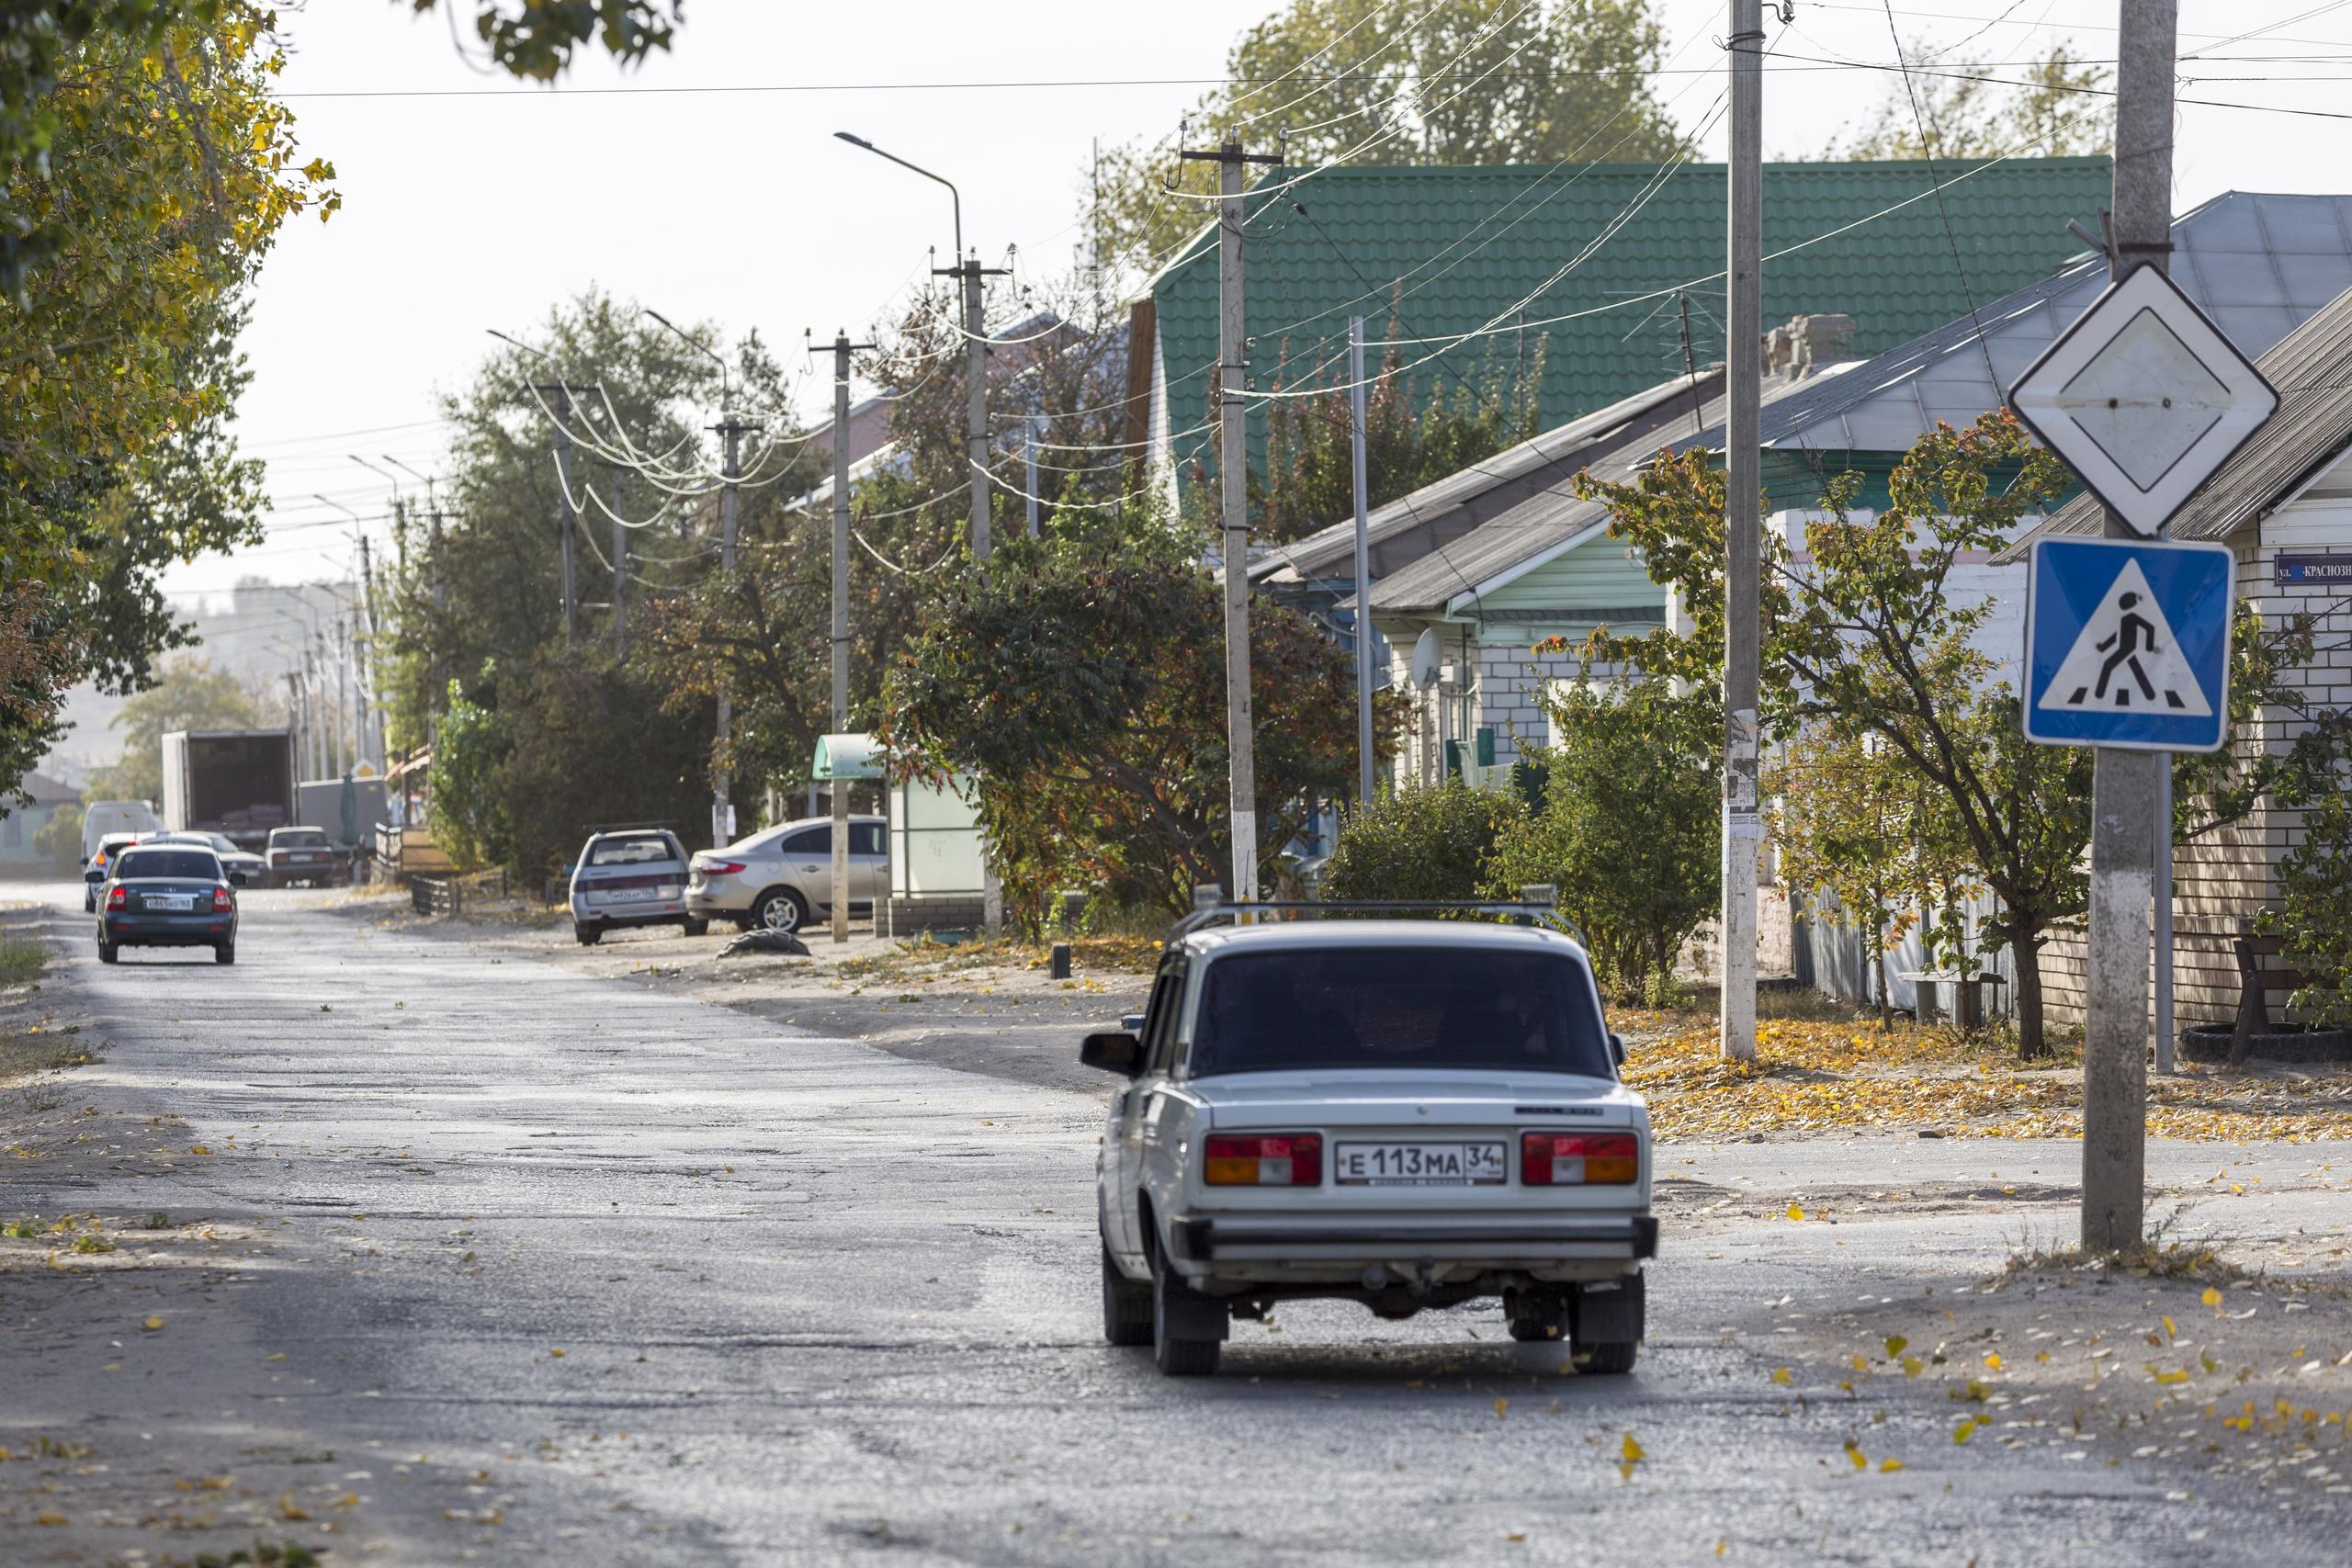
(1612, 1358)
(89, 905)
(698, 928)
(1177, 1357)
(1126, 1305)
(587, 936)
(225, 954)
(108, 951)
(780, 909)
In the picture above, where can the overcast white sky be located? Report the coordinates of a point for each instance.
(476, 210)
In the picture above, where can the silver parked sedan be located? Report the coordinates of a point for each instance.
(781, 877)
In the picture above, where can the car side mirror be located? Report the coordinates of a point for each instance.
(1114, 1051)
(1617, 1047)
(1132, 1023)
(236, 879)
(93, 874)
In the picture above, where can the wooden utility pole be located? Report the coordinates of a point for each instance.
(2124, 784)
(1743, 828)
(1365, 780)
(1233, 477)
(722, 808)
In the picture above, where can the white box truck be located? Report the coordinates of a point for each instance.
(237, 781)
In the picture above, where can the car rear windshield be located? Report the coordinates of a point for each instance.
(1397, 1007)
(641, 850)
(312, 840)
(194, 865)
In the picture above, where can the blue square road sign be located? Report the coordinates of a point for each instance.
(2127, 644)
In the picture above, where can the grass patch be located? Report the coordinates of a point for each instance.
(21, 960)
(24, 1053)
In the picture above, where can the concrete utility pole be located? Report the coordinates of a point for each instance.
(969, 272)
(2124, 784)
(1743, 530)
(368, 655)
(621, 563)
(722, 808)
(842, 349)
(571, 522)
(1363, 563)
(1233, 476)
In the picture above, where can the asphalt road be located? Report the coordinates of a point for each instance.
(512, 1263)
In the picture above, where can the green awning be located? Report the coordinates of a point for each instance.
(846, 757)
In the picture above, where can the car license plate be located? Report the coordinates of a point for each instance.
(627, 895)
(1421, 1165)
(177, 904)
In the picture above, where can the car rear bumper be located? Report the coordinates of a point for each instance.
(665, 912)
(1501, 1241)
(719, 899)
(170, 930)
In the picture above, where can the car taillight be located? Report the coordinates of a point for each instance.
(1265, 1159)
(219, 900)
(1578, 1159)
(118, 899)
(719, 867)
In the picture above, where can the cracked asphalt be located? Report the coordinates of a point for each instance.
(488, 1258)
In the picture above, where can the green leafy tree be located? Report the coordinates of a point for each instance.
(591, 742)
(1627, 831)
(59, 840)
(1409, 441)
(1849, 819)
(2060, 108)
(1086, 693)
(163, 170)
(2314, 913)
(1474, 81)
(468, 819)
(1421, 843)
(1867, 638)
(189, 694)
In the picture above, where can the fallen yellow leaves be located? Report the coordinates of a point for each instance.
(1630, 1453)
(153, 1323)
(1819, 1077)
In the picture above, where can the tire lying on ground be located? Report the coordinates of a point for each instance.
(2299, 1043)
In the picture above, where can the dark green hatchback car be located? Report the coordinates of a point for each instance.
(168, 895)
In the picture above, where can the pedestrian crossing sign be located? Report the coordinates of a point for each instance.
(2128, 644)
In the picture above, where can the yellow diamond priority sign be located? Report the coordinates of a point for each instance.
(2144, 397)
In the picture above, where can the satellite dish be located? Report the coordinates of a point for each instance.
(1425, 657)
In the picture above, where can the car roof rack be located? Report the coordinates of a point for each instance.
(1537, 908)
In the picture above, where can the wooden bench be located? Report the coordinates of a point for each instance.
(1967, 1010)
(2254, 984)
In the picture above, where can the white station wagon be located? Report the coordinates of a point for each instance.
(1407, 1114)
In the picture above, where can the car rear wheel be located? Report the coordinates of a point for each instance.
(108, 951)
(1126, 1306)
(1175, 1310)
(587, 936)
(780, 909)
(1612, 1358)
(698, 928)
(225, 954)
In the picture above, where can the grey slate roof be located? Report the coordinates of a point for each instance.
(2258, 265)
(1551, 517)
(1405, 530)
(2313, 370)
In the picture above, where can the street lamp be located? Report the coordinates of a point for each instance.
(953, 193)
(969, 271)
(726, 396)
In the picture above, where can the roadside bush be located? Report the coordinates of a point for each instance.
(60, 839)
(1420, 844)
(2315, 915)
(1629, 830)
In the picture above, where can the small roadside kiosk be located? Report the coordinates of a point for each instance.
(937, 878)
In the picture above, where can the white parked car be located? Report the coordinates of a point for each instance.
(1407, 1114)
(781, 877)
(628, 877)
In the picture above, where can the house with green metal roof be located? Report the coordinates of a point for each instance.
(1585, 260)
